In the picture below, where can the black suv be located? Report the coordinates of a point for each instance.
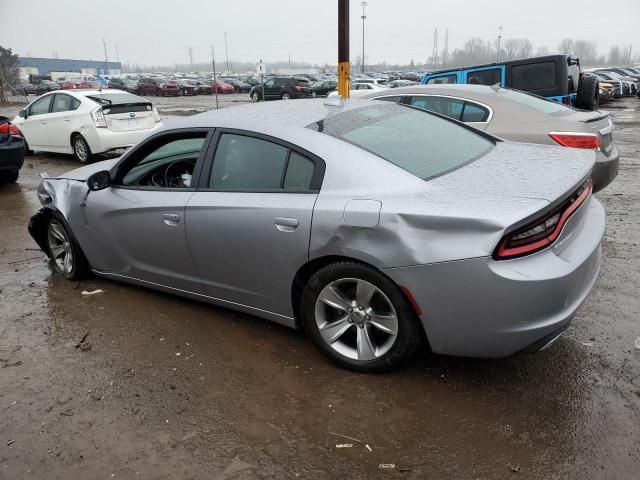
(281, 88)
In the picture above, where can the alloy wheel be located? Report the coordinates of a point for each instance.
(356, 319)
(60, 247)
(81, 150)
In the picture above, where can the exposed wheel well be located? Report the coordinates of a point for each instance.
(73, 136)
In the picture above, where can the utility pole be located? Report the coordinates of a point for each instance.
(215, 80)
(343, 48)
(364, 17)
(106, 60)
(226, 49)
(117, 54)
(445, 52)
(289, 61)
(191, 57)
(499, 43)
(629, 57)
(434, 55)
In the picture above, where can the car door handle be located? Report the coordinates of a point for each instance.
(286, 224)
(171, 219)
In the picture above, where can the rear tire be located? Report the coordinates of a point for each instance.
(63, 249)
(286, 96)
(81, 149)
(255, 96)
(588, 97)
(363, 332)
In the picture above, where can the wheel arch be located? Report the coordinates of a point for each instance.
(306, 271)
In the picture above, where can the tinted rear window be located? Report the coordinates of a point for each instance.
(421, 143)
(536, 76)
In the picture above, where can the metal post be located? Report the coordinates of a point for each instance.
(226, 49)
(364, 16)
(262, 82)
(215, 81)
(499, 44)
(343, 48)
(104, 44)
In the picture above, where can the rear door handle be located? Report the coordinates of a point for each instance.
(285, 224)
(171, 219)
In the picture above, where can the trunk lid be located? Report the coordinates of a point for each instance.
(598, 122)
(129, 117)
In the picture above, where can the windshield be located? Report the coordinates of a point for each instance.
(419, 142)
(540, 104)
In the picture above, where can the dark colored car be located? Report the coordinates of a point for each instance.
(556, 77)
(203, 88)
(27, 88)
(281, 88)
(11, 152)
(46, 86)
(156, 86)
(323, 87)
(184, 88)
(121, 83)
(238, 85)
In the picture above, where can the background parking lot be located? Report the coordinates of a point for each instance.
(169, 388)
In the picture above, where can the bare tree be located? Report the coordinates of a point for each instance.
(586, 51)
(542, 51)
(615, 55)
(565, 46)
(8, 73)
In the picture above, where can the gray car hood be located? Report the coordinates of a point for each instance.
(86, 171)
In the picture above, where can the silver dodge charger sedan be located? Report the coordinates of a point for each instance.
(371, 225)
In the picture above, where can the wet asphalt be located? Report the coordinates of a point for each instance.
(166, 388)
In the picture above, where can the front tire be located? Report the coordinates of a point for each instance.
(359, 318)
(286, 96)
(9, 177)
(81, 149)
(63, 249)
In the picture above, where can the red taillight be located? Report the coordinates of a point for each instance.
(13, 130)
(296, 88)
(544, 232)
(577, 140)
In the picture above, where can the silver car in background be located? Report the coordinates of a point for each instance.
(369, 224)
(519, 117)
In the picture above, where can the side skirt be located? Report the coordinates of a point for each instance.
(274, 317)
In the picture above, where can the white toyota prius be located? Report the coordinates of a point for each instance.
(86, 122)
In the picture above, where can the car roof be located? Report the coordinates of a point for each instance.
(479, 93)
(294, 113)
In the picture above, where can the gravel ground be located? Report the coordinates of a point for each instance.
(166, 388)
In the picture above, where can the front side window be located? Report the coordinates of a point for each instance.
(243, 163)
(485, 77)
(448, 107)
(40, 106)
(425, 145)
(167, 162)
(445, 79)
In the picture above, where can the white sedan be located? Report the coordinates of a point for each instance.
(359, 90)
(86, 122)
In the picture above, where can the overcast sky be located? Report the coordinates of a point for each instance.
(160, 32)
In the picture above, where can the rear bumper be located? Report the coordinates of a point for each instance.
(485, 308)
(102, 140)
(605, 169)
(11, 155)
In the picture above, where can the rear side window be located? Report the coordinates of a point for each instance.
(533, 77)
(62, 103)
(449, 107)
(474, 113)
(392, 99)
(423, 144)
(446, 79)
(485, 77)
(243, 163)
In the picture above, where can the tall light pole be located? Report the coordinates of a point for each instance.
(364, 17)
(499, 43)
(226, 49)
(343, 48)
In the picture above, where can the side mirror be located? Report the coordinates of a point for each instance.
(99, 181)
(22, 113)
